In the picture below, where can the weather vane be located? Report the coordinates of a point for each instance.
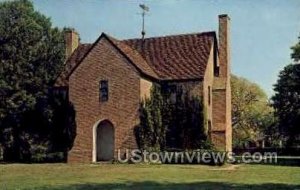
(145, 9)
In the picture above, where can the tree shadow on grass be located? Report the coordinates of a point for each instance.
(163, 186)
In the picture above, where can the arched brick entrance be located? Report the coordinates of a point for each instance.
(105, 141)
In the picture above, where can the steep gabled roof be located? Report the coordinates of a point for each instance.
(176, 57)
(71, 63)
(134, 56)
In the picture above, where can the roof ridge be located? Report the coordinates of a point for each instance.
(172, 35)
(114, 40)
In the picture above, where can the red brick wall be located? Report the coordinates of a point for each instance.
(104, 63)
(208, 85)
(221, 134)
(218, 132)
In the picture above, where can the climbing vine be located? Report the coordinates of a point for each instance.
(171, 123)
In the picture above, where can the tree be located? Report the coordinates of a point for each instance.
(252, 114)
(31, 56)
(296, 51)
(286, 100)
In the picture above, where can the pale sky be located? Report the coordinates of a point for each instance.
(262, 31)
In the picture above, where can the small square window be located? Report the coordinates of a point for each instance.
(103, 91)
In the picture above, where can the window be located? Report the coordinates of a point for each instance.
(61, 92)
(173, 93)
(103, 91)
(217, 71)
(209, 125)
(209, 95)
(171, 90)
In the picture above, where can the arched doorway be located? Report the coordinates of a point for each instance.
(105, 141)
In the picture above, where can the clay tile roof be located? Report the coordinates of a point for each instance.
(71, 63)
(134, 56)
(176, 57)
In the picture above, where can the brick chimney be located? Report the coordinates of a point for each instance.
(224, 45)
(221, 130)
(72, 41)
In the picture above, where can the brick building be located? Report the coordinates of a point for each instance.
(106, 81)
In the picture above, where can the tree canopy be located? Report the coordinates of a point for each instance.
(31, 56)
(296, 51)
(286, 100)
(251, 113)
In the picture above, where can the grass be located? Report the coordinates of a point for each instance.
(118, 176)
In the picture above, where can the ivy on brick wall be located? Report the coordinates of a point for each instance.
(151, 133)
(167, 124)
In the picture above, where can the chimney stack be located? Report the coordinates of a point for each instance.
(224, 45)
(72, 42)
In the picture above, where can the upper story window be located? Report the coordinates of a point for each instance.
(209, 95)
(61, 92)
(103, 90)
(217, 71)
(209, 125)
(171, 91)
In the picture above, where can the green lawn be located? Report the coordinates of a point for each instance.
(115, 176)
